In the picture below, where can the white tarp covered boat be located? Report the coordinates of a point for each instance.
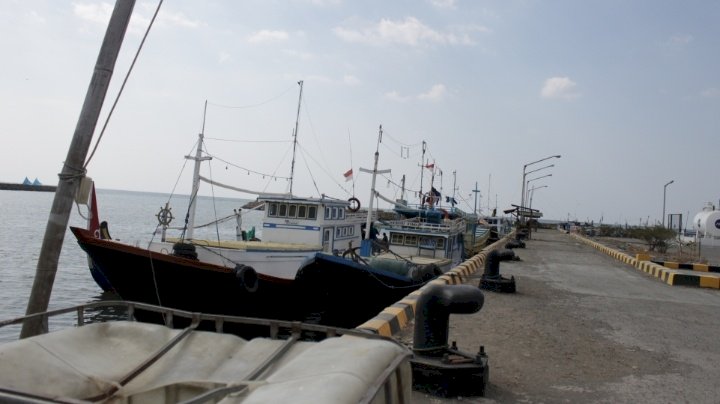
(133, 362)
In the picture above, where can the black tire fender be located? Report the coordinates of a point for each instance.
(247, 277)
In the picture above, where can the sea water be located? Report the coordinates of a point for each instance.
(131, 217)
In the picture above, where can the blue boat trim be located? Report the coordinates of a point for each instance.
(290, 226)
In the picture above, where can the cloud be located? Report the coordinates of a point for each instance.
(323, 3)
(264, 36)
(409, 32)
(351, 80)
(448, 4)
(711, 92)
(680, 39)
(93, 12)
(559, 88)
(223, 57)
(395, 96)
(99, 13)
(436, 93)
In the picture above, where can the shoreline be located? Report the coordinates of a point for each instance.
(6, 186)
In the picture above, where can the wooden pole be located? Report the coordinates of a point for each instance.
(72, 170)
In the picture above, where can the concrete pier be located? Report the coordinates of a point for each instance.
(587, 327)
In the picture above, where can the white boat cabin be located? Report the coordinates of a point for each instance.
(312, 221)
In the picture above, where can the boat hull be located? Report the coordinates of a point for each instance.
(145, 276)
(344, 293)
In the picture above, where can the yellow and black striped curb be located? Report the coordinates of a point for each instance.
(394, 318)
(690, 267)
(670, 274)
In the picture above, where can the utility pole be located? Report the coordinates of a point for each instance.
(73, 171)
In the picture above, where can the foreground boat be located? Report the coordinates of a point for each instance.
(134, 362)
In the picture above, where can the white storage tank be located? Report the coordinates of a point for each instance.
(707, 222)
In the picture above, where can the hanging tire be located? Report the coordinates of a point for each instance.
(185, 250)
(246, 277)
(354, 204)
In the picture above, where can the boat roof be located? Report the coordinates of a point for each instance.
(308, 200)
(127, 361)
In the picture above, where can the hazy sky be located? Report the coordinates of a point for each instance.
(628, 92)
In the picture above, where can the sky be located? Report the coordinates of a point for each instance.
(626, 92)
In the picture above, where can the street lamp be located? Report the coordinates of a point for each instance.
(532, 193)
(522, 194)
(664, 192)
(533, 179)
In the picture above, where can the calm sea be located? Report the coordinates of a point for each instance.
(131, 217)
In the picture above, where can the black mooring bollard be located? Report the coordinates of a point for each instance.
(432, 317)
(492, 265)
(491, 279)
(437, 368)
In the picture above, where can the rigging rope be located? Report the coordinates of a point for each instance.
(122, 87)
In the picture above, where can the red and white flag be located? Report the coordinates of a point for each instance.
(348, 175)
(430, 166)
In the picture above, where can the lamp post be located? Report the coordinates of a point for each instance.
(665, 192)
(522, 194)
(533, 179)
(532, 193)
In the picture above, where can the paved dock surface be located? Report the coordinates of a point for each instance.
(586, 328)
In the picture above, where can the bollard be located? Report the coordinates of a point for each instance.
(433, 315)
(438, 368)
(492, 280)
(507, 254)
(515, 244)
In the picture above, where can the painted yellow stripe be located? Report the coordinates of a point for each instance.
(709, 282)
(701, 267)
(671, 265)
(399, 313)
(381, 327)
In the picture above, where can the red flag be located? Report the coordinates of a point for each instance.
(430, 165)
(93, 220)
(348, 175)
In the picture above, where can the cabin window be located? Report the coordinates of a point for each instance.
(338, 232)
(341, 213)
(328, 213)
(312, 212)
(396, 238)
(292, 211)
(302, 212)
(282, 212)
(440, 243)
(335, 213)
(272, 209)
(410, 240)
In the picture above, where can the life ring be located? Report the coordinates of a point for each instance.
(247, 277)
(354, 204)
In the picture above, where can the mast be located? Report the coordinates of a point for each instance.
(452, 203)
(402, 189)
(374, 172)
(198, 158)
(422, 170)
(297, 122)
(73, 168)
